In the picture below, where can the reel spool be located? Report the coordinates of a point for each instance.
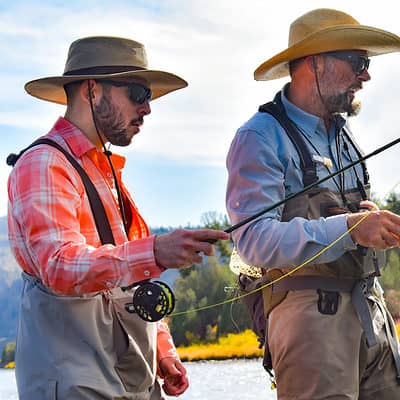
(152, 301)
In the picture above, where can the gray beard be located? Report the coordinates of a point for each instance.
(339, 104)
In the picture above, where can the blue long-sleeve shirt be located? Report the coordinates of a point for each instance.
(264, 168)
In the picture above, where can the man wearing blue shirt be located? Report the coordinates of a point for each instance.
(328, 333)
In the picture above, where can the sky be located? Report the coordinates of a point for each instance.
(176, 165)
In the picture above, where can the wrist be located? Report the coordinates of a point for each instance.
(155, 252)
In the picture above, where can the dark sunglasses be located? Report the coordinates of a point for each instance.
(358, 63)
(138, 93)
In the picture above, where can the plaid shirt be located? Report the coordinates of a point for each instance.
(51, 227)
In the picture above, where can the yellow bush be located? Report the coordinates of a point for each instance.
(398, 329)
(10, 365)
(240, 345)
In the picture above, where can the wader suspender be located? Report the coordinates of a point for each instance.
(97, 207)
(275, 108)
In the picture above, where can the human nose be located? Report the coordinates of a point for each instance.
(364, 76)
(145, 108)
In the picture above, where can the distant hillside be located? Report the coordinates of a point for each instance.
(11, 284)
(10, 288)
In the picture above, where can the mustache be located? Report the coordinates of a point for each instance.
(137, 120)
(356, 86)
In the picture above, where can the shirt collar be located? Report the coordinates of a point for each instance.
(79, 143)
(310, 124)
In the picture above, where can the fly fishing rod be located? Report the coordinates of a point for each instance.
(311, 186)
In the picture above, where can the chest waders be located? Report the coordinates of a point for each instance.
(113, 351)
(354, 272)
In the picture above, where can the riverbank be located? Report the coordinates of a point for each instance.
(239, 345)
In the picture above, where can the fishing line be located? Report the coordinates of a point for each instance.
(277, 279)
(281, 202)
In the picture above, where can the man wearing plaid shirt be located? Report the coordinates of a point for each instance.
(75, 338)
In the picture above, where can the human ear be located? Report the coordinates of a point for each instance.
(313, 63)
(89, 91)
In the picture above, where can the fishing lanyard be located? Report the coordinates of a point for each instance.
(341, 185)
(358, 180)
(342, 179)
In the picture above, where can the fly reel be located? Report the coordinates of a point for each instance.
(152, 301)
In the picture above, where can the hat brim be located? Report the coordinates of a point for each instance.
(52, 88)
(341, 37)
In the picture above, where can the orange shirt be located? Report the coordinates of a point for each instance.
(52, 230)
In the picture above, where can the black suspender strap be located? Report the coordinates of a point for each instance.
(97, 207)
(275, 108)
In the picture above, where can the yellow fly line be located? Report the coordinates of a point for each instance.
(276, 280)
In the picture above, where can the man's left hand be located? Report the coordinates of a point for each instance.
(175, 378)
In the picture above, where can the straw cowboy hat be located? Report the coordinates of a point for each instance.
(324, 30)
(103, 57)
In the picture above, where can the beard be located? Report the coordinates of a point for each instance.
(343, 103)
(110, 122)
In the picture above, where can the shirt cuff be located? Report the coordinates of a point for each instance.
(141, 257)
(337, 226)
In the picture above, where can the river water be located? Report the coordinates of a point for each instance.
(210, 380)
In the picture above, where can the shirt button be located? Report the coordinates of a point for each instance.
(146, 273)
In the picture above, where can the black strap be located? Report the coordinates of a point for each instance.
(276, 109)
(97, 207)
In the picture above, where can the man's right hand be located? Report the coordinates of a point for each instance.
(183, 247)
(380, 229)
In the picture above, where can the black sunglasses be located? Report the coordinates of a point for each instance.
(138, 93)
(358, 63)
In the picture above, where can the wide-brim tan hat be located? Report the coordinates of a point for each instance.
(105, 57)
(325, 30)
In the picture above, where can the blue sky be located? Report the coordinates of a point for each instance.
(176, 165)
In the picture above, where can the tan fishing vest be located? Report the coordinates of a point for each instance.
(318, 202)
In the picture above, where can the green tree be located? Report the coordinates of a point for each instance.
(204, 285)
(390, 279)
(393, 203)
